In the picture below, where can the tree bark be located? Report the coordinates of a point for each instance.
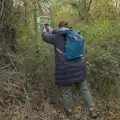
(89, 5)
(7, 33)
(85, 11)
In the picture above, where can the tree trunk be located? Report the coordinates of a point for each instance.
(80, 15)
(89, 5)
(7, 33)
(85, 11)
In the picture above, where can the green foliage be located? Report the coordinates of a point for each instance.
(82, 7)
(103, 56)
(30, 71)
(100, 30)
(103, 59)
(103, 10)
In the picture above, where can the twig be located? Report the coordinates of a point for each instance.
(2, 9)
(5, 66)
(1, 13)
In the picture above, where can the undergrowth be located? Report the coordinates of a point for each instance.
(25, 87)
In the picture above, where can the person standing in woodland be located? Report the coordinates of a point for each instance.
(68, 72)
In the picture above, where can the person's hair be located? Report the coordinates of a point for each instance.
(63, 24)
(46, 24)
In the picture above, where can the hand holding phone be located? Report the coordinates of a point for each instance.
(47, 28)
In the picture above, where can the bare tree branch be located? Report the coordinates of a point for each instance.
(89, 5)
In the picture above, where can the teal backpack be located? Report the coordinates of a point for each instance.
(74, 48)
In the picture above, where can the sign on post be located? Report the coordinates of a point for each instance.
(41, 20)
(38, 19)
(38, 24)
(45, 19)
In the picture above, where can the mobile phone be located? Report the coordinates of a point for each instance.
(47, 27)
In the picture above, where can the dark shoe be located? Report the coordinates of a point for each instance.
(93, 113)
(69, 114)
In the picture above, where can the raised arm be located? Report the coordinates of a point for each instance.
(49, 37)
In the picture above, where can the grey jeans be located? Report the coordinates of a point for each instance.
(66, 96)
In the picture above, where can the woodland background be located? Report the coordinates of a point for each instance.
(27, 63)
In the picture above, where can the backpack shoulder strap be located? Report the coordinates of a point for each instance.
(59, 51)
